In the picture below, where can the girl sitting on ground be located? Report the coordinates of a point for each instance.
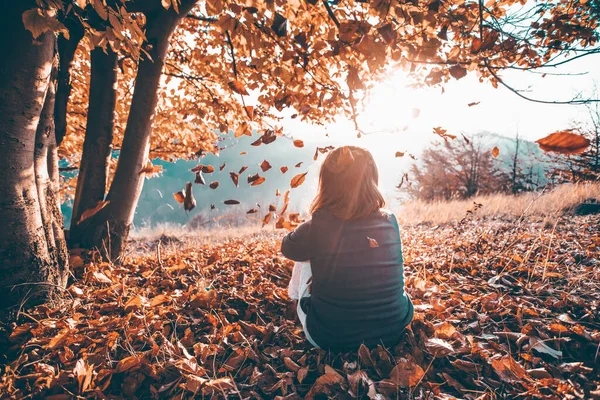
(349, 276)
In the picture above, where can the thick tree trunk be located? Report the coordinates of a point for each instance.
(109, 228)
(46, 180)
(26, 265)
(93, 169)
(66, 53)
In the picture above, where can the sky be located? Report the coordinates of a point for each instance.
(389, 114)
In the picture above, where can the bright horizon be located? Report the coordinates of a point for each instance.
(388, 112)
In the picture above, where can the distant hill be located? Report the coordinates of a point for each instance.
(532, 160)
(157, 205)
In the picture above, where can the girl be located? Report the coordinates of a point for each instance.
(355, 254)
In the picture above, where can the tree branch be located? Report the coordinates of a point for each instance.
(331, 14)
(201, 18)
(232, 54)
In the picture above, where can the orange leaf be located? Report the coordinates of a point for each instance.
(129, 363)
(231, 202)
(250, 112)
(564, 142)
(406, 373)
(284, 169)
(372, 242)
(496, 152)
(92, 211)
(151, 169)
(298, 143)
(179, 196)
(238, 87)
(298, 180)
(267, 218)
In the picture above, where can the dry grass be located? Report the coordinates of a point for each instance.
(544, 205)
(175, 237)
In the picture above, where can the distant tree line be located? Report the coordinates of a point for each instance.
(465, 167)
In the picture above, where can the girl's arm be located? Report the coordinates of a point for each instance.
(296, 244)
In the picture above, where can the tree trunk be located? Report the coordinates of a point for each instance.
(46, 180)
(66, 53)
(108, 229)
(26, 263)
(93, 169)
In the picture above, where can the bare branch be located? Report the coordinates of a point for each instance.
(331, 14)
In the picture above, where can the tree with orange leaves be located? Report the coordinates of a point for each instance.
(171, 74)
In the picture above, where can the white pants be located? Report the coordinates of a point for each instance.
(297, 289)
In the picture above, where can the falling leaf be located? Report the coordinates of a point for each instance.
(416, 112)
(267, 218)
(473, 103)
(298, 143)
(235, 178)
(298, 180)
(93, 211)
(241, 171)
(265, 166)
(214, 185)
(255, 180)
(496, 152)
(564, 142)
(179, 196)
(252, 211)
(299, 164)
(222, 167)
(372, 242)
(443, 133)
(399, 154)
(231, 202)
(199, 179)
(283, 169)
(189, 202)
(151, 170)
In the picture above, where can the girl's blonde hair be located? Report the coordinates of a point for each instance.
(348, 184)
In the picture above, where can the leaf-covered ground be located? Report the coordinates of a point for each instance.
(504, 310)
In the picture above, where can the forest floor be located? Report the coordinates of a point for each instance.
(504, 309)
